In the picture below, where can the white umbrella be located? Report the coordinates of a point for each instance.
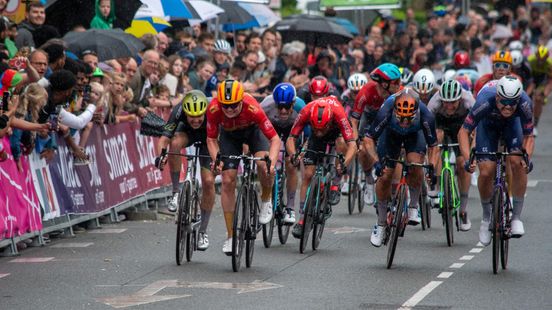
(262, 13)
(204, 10)
(173, 9)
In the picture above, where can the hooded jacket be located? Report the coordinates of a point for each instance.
(99, 21)
(25, 32)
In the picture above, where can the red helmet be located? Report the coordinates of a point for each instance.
(461, 59)
(321, 114)
(319, 86)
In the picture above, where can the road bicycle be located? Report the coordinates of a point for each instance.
(449, 198)
(246, 213)
(397, 215)
(355, 195)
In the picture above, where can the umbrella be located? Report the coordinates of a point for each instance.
(56, 13)
(501, 32)
(173, 9)
(312, 30)
(143, 25)
(347, 24)
(234, 14)
(243, 15)
(108, 44)
(203, 10)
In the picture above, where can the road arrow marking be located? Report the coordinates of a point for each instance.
(346, 230)
(254, 286)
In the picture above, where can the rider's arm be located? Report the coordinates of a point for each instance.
(347, 132)
(214, 118)
(270, 133)
(428, 127)
(526, 117)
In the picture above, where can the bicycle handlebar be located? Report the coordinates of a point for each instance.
(447, 145)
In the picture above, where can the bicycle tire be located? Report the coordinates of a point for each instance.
(360, 195)
(308, 213)
(253, 228)
(505, 240)
(319, 219)
(427, 204)
(448, 207)
(191, 238)
(353, 185)
(423, 214)
(396, 225)
(182, 222)
(496, 227)
(283, 228)
(238, 228)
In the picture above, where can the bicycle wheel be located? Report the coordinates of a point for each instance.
(252, 227)
(268, 228)
(496, 227)
(448, 207)
(353, 188)
(239, 228)
(360, 193)
(308, 212)
(423, 211)
(427, 205)
(505, 240)
(319, 218)
(182, 222)
(191, 238)
(396, 225)
(283, 228)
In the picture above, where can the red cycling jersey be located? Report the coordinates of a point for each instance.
(339, 118)
(484, 79)
(251, 114)
(367, 97)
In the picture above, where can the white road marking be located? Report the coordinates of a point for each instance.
(445, 275)
(421, 294)
(532, 183)
(32, 260)
(479, 244)
(3, 275)
(107, 231)
(476, 250)
(466, 257)
(73, 245)
(457, 265)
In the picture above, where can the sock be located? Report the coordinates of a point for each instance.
(518, 206)
(229, 219)
(486, 205)
(414, 197)
(175, 178)
(369, 177)
(382, 212)
(205, 215)
(463, 202)
(291, 200)
(301, 206)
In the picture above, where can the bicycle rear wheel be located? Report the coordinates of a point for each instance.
(283, 228)
(360, 193)
(505, 240)
(268, 231)
(423, 211)
(191, 238)
(239, 227)
(496, 227)
(182, 222)
(396, 225)
(448, 207)
(353, 188)
(308, 213)
(253, 228)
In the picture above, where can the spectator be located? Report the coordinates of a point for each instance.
(198, 78)
(253, 42)
(240, 43)
(29, 31)
(138, 84)
(130, 68)
(56, 57)
(105, 15)
(91, 58)
(205, 45)
(165, 77)
(162, 43)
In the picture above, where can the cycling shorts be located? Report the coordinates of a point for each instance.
(231, 143)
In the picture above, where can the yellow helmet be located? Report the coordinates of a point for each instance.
(542, 52)
(502, 56)
(230, 92)
(194, 103)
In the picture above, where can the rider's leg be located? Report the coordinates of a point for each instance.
(415, 177)
(207, 197)
(228, 197)
(513, 138)
(291, 183)
(179, 141)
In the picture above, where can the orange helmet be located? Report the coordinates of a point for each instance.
(502, 56)
(230, 92)
(406, 104)
(321, 114)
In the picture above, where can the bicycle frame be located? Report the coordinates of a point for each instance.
(447, 166)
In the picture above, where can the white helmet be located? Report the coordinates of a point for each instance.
(356, 81)
(509, 87)
(423, 81)
(515, 46)
(449, 74)
(517, 58)
(223, 46)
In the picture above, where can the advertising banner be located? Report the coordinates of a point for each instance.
(367, 4)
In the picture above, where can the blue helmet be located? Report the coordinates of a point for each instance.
(284, 94)
(386, 72)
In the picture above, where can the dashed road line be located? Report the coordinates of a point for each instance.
(420, 295)
(476, 250)
(457, 265)
(32, 260)
(3, 275)
(445, 275)
(107, 231)
(467, 257)
(73, 245)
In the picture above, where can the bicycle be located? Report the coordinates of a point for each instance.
(397, 215)
(449, 198)
(246, 222)
(316, 209)
(279, 208)
(188, 218)
(425, 207)
(501, 207)
(355, 195)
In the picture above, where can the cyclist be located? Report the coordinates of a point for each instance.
(502, 66)
(186, 126)
(402, 121)
(317, 88)
(522, 69)
(406, 76)
(450, 106)
(461, 61)
(502, 109)
(330, 126)
(541, 66)
(282, 108)
(424, 84)
(242, 121)
(385, 81)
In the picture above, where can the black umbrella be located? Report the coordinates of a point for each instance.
(65, 14)
(312, 30)
(234, 14)
(108, 44)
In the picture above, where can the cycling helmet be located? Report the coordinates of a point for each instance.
(509, 87)
(461, 59)
(542, 52)
(223, 46)
(406, 104)
(321, 114)
(406, 75)
(356, 81)
(515, 46)
(502, 56)
(319, 86)
(230, 92)
(517, 58)
(451, 90)
(449, 74)
(424, 81)
(194, 103)
(385, 72)
(284, 94)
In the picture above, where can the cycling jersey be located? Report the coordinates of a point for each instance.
(472, 74)
(484, 79)
(339, 119)
(367, 100)
(539, 70)
(251, 115)
(271, 111)
(524, 71)
(436, 107)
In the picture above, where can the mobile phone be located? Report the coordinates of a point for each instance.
(5, 100)
(53, 120)
(86, 93)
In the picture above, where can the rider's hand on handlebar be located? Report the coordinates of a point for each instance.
(296, 159)
(161, 161)
(378, 168)
(469, 166)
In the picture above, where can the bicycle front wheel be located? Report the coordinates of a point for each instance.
(308, 212)
(319, 219)
(505, 239)
(239, 227)
(496, 227)
(182, 221)
(448, 206)
(396, 225)
(253, 228)
(353, 188)
(193, 235)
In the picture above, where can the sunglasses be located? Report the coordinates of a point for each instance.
(501, 65)
(508, 102)
(451, 102)
(284, 106)
(232, 106)
(403, 119)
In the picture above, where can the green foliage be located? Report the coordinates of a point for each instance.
(289, 7)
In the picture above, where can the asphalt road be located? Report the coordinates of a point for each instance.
(132, 265)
